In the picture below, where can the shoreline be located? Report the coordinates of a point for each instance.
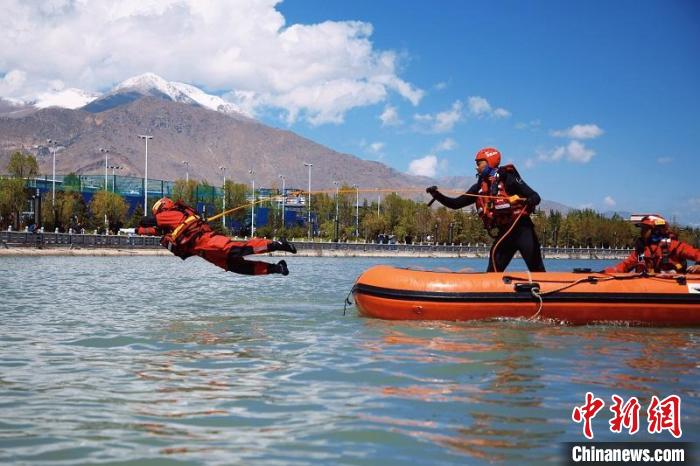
(103, 252)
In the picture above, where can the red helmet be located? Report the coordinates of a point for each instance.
(651, 221)
(491, 155)
(162, 203)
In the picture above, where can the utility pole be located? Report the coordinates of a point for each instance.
(145, 176)
(337, 220)
(106, 152)
(309, 201)
(357, 211)
(223, 203)
(252, 211)
(53, 148)
(187, 172)
(284, 196)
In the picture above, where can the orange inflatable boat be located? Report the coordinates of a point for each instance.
(385, 292)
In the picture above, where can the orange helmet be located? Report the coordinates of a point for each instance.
(162, 203)
(491, 155)
(650, 220)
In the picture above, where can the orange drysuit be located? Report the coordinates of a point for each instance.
(185, 234)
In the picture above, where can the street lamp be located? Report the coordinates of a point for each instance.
(113, 167)
(105, 152)
(187, 171)
(53, 145)
(223, 206)
(145, 175)
(357, 211)
(284, 196)
(379, 201)
(252, 210)
(309, 202)
(337, 223)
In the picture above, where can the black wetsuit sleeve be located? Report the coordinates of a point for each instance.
(459, 201)
(516, 185)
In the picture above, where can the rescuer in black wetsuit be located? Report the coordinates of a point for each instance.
(513, 200)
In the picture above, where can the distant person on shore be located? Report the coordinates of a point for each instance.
(506, 215)
(658, 250)
(185, 234)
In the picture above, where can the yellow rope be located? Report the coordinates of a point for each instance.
(346, 191)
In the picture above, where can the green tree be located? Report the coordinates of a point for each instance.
(111, 206)
(22, 166)
(71, 183)
(13, 198)
(185, 191)
(68, 210)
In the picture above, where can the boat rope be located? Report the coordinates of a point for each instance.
(498, 243)
(536, 293)
(347, 300)
(343, 191)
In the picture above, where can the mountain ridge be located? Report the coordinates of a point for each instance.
(188, 125)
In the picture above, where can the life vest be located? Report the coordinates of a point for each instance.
(659, 256)
(498, 213)
(180, 239)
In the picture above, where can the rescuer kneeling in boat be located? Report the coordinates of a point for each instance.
(504, 202)
(185, 234)
(657, 250)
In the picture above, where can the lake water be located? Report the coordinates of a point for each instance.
(133, 360)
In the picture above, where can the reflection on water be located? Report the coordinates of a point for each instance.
(113, 360)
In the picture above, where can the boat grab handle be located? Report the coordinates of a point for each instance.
(527, 287)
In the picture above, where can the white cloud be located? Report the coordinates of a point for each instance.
(376, 147)
(242, 49)
(531, 125)
(441, 122)
(12, 82)
(609, 201)
(425, 166)
(575, 151)
(590, 131)
(480, 107)
(445, 145)
(441, 86)
(664, 160)
(390, 116)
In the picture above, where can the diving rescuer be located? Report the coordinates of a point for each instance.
(658, 250)
(507, 212)
(185, 234)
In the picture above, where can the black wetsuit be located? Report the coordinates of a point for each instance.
(522, 238)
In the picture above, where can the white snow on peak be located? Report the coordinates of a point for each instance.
(71, 98)
(148, 82)
(209, 101)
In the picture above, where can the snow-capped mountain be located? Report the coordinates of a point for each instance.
(129, 90)
(153, 85)
(150, 84)
(67, 98)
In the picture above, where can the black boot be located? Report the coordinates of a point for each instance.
(283, 245)
(280, 267)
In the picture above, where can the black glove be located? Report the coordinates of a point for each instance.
(431, 190)
(530, 204)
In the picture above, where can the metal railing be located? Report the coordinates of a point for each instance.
(26, 239)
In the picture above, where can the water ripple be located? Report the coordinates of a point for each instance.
(125, 360)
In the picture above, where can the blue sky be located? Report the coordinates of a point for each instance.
(630, 68)
(595, 102)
